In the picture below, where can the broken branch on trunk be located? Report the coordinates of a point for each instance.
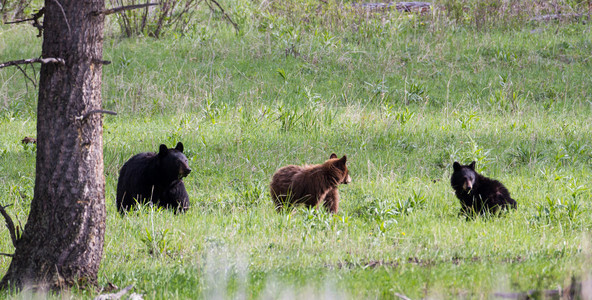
(9, 224)
(33, 60)
(35, 16)
(95, 111)
(122, 8)
(35, 20)
(226, 16)
(101, 62)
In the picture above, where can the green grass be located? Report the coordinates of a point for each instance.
(403, 100)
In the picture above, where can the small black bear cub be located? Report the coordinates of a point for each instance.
(154, 177)
(477, 193)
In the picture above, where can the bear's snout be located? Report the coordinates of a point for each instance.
(184, 172)
(468, 185)
(347, 179)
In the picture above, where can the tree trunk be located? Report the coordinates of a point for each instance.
(62, 242)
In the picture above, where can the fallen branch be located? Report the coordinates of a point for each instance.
(9, 225)
(420, 7)
(532, 294)
(122, 8)
(117, 295)
(557, 17)
(226, 16)
(32, 60)
(401, 296)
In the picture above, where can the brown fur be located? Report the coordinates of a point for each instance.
(310, 185)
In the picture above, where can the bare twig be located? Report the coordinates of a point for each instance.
(401, 296)
(122, 8)
(226, 16)
(64, 14)
(94, 111)
(33, 66)
(33, 60)
(185, 12)
(117, 295)
(6, 254)
(27, 76)
(35, 16)
(35, 20)
(9, 224)
(20, 21)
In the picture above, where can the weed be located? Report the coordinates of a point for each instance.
(412, 203)
(416, 92)
(466, 120)
(527, 154)
(403, 117)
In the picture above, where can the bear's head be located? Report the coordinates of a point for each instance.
(463, 177)
(172, 162)
(339, 169)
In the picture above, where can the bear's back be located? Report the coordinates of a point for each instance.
(296, 184)
(496, 194)
(283, 178)
(133, 181)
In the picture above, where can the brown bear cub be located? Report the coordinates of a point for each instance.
(477, 193)
(310, 185)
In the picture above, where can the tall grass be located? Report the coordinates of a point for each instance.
(403, 96)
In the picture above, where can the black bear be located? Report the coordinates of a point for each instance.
(154, 177)
(310, 185)
(477, 193)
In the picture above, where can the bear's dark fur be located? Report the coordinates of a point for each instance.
(477, 193)
(154, 177)
(310, 185)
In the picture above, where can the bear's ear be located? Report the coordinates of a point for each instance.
(456, 166)
(340, 163)
(472, 166)
(179, 147)
(333, 155)
(163, 150)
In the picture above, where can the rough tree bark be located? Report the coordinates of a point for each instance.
(62, 242)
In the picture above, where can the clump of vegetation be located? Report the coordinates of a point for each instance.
(403, 95)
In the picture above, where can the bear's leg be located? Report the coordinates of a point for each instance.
(332, 201)
(512, 203)
(506, 201)
(279, 203)
(174, 197)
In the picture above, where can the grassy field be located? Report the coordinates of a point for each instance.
(403, 97)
